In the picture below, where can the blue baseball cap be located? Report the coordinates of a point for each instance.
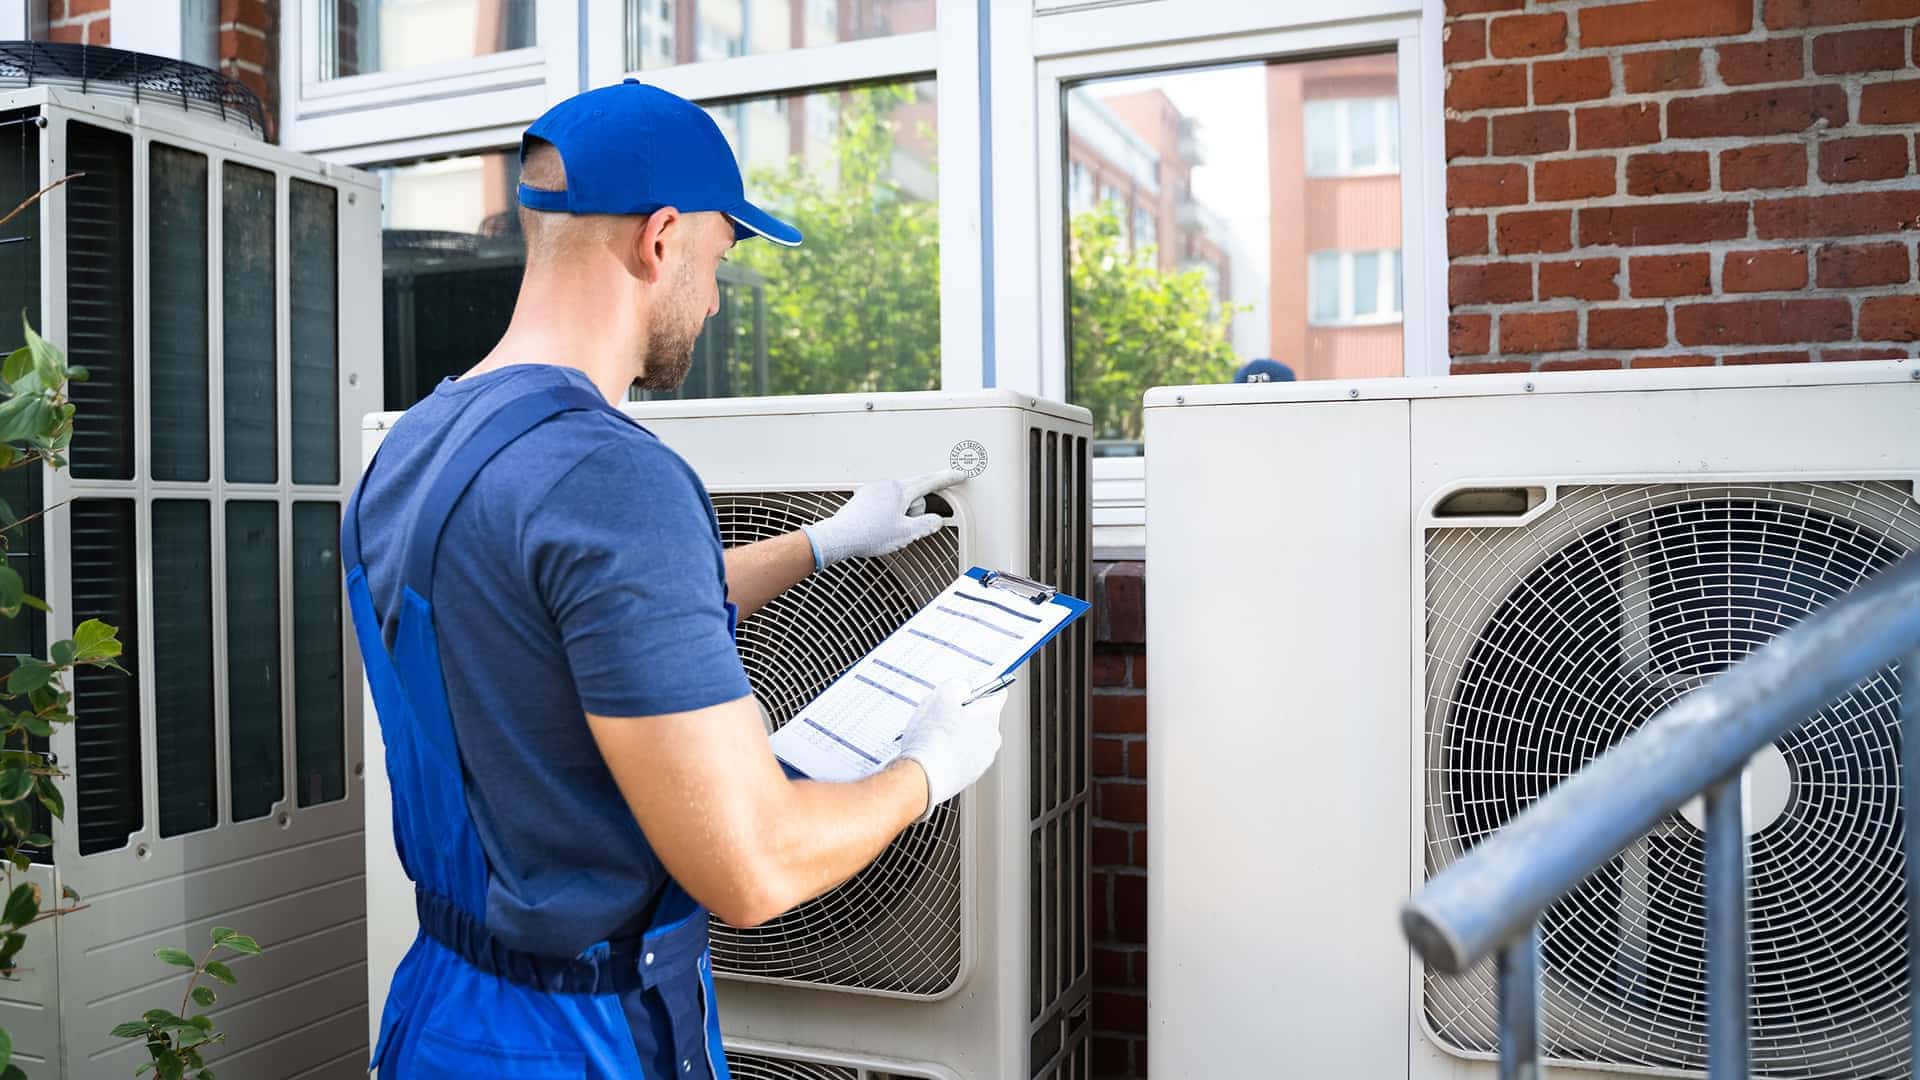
(633, 148)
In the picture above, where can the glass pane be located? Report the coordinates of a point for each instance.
(313, 243)
(177, 320)
(1363, 138)
(361, 36)
(1241, 169)
(661, 33)
(1366, 284)
(246, 275)
(106, 728)
(100, 300)
(183, 664)
(319, 720)
(253, 657)
(857, 306)
(452, 257)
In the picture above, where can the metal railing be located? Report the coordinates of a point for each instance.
(1490, 902)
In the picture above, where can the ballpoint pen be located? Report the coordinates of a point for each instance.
(993, 687)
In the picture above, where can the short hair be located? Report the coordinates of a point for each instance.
(556, 233)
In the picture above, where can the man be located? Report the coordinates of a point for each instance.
(579, 770)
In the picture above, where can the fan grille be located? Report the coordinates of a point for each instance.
(895, 926)
(767, 1067)
(1548, 644)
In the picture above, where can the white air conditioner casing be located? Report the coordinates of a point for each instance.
(283, 863)
(1386, 615)
(963, 953)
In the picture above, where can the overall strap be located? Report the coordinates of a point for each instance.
(513, 420)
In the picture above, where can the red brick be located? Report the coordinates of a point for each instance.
(1130, 908)
(1529, 35)
(1467, 138)
(1140, 854)
(1672, 361)
(1627, 328)
(1120, 714)
(75, 35)
(1109, 758)
(1490, 283)
(1466, 235)
(1538, 332)
(1763, 322)
(1111, 847)
(244, 47)
(1481, 7)
(1656, 225)
(1669, 174)
(1574, 178)
(1464, 41)
(1865, 214)
(1138, 666)
(1109, 669)
(77, 8)
(1743, 359)
(1526, 134)
(1661, 71)
(1557, 82)
(1890, 103)
(1862, 266)
(1137, 761)
(1771, 165)
(1663, 20)
(1469, 335)
(1792, 14)
(1890, 318)
(1860, 50)
(1111, 967)
(1670, 275)
(1606, 126)
(1122, 802)
(1771, 61)
(57, 10)
(1843, 356)
(1120, 1012)
(1781, 270)
(1876, 157)
(1534, 232)
(1757, 112)
(1112, 1057)
(1486, 185)
(1497, 87)
(1580, 279)
(1120, 602)
(100, 32)
(256, 14)
(1489, 367)
(1590, 363)
(1100, 890)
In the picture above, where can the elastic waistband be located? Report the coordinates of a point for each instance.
(611, 967)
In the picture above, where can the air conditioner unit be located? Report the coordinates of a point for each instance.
(1422, 605)
(203, 277)
(962, 952)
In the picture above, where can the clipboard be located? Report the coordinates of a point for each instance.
(1035, 593)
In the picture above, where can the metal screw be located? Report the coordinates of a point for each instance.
(1529, 388)
(1354, 393)
(359, 768)
(353, 380)
(869, 406)
(1916, 375)
(142, 851)
(352, 199)
(283, 821)
(1179, 399)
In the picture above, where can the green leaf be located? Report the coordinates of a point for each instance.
(26, 418)
(158, 1016)
(28, 676)
(7, 517)
(204, 1074)
(19, 363)
(21, 862)
(204, 1023)
(222, 933)
(216, 969)
(51, 798)
(37, 726)
(176, 957)
(203, 996)
(78, 374)
(7, 455)
(36, 603)
(39, 840)
(47, 361)
(62, 653)
(6, 1048)
(142, 1069)
(13, 1072)
(169, 1065)
(15, 782)
(22, 904)
(10, 947)
(242, 944)
(95, 640)
(131, 1030)
(67, 893)
(13, 591)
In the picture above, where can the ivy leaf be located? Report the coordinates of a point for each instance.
(222, 933)
(29, 675)
(15, 782)
(13, 1072)
(78, 374)
(39, 840)
(22, 904)
(158, 1016)
(48, 364)
(13, 591)
(6, 1049)
(51, 798)
(203, 996)
(10, 947)
(217, 970)
(95, 640)
(67, 893)
(169, 1065)
(37, 726)
(35, 602)
(242, 944)
(176, 957)
(61, 652)
(25, 418)
(21, 862)
(204, 1023)
(131, 1030)
(19, 364)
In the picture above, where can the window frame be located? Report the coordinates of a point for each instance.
(1346, 264)
(1344, 167)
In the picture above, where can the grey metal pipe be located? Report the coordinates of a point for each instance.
(1519, 991)
(1502, 886)
(1727, 1010)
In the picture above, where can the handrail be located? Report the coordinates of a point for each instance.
(1491, 898)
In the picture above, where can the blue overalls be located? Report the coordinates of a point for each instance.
(465, 1003)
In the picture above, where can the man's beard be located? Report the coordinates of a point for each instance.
(670, 341)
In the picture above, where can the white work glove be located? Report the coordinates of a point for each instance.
(954, 743)
(881, 518)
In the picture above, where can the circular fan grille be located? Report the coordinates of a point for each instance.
(1549, 644)
(763, 1067)
(895, 926)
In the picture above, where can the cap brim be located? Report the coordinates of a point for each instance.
(749, 220)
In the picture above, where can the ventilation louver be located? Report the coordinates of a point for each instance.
(895, 926)
(1549, 643)
(745, 1066)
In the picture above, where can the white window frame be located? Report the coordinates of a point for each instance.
(1387, 283)
(1342, 109)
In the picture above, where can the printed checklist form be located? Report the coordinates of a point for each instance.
(979, 629)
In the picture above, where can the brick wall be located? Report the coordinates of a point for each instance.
(1681, 182)
(1119, 862)
(249, 40)
(81, 22)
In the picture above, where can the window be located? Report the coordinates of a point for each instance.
(1349, 288)
(1236, 279)
(1079, 187)
(1353, 136)
(362, 36)
(662, 33)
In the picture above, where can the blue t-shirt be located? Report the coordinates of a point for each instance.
(580, 573)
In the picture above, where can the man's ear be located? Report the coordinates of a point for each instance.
(654, 240)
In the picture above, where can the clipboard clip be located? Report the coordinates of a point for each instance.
(1026, 588)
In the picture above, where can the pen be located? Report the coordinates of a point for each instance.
(994, 687)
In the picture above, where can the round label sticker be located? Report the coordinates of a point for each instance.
(968, 457)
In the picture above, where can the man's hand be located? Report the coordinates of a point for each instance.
(953, 743)
(881, 518)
